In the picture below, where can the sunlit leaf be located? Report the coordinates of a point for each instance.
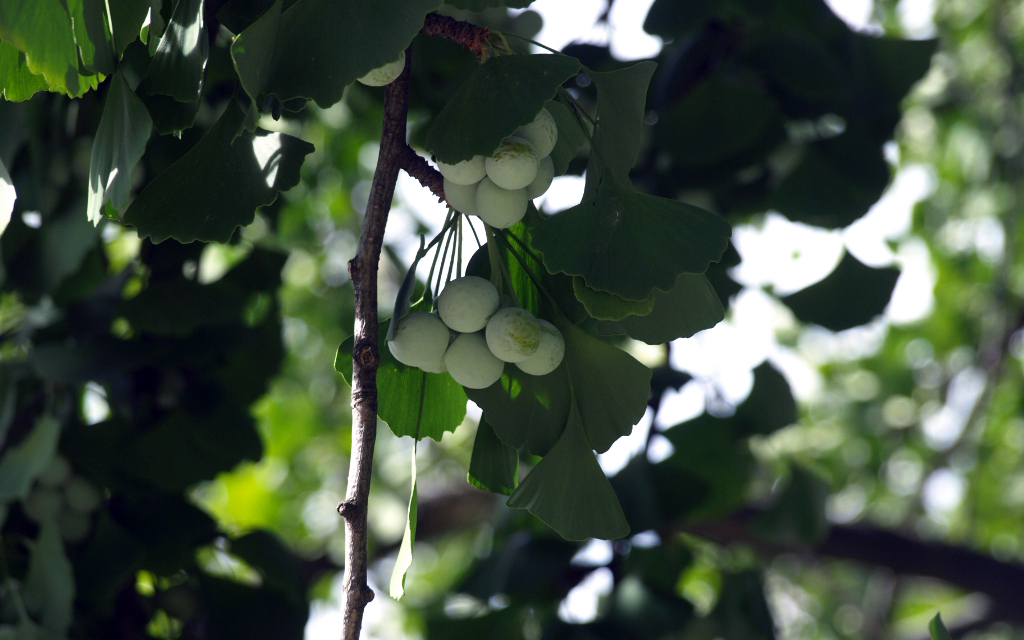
(50, 583)
(937, 630)
(120, 141)
(404, 559)
(180, 59)
(629, 243)
(42, 29)
(322, 46)
(850, 296)
(511, 90)
(17, 82)
(494, 466)
(609, 385)
(608, 306)
(688, 307)
(569, 492)
(218, 184)
(126, 20)
(621, 106)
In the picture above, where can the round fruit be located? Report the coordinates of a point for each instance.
(82, 495)
(545, 174)
(471, 363)
(467, 303)
(461, 197)
(500, 208)
(513, 334)
(385, 74)
(420, 341)
(542, 132)
(466, 172)
(514, 164)
(549, 353)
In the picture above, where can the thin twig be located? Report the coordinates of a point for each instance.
(365, 354)
(468, 35)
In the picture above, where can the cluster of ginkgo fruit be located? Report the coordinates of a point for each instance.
(62, 496)
(472, 336)
(499, 188)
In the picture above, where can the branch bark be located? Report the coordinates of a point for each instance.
(365, 353)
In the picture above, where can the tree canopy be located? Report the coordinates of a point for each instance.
(210, 234)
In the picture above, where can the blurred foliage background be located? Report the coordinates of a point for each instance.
(886, 486)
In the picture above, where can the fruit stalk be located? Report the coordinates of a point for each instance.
(365, 354)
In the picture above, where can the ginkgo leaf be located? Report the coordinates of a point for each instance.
(688, 307)
(121, 137)
(404, 559)
(569, 492)
(180, 59)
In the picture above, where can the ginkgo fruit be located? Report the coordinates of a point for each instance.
(542, 132)
(461, 197)
(471, 363)
(513, 334)
(467, 303)
(420, 341)
(514, 164)
(545, 174)
(498, 207)
(549, 353)
(466, 172)
(385, 74)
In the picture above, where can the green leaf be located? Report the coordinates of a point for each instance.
(400, 389)
(405, 291)
(608, 306)
(323, 45)
(670, 19)
(741, 611)
(610, 386)
(126, 20)
(494, 466)
(570, 136)
(708, 449)
(770, 405)
(21, 463)
(120, 141)
(404, 559)
(937, 630)
(17, 82)
(621, 106)
(511, 90)
(180, 59)
(42, 29)
(218, 184)
(526, 410)
(850, 296)
(568, 490)
(252, 52)
(629, 243)
(88, 18)
(800, 64)
(50, 583)
(688, 307)
(7, 197)
(718, 119)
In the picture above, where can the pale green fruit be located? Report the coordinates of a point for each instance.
(545, 174)
(467, 303)
(469, 171)
(471, 363)
(420, 341)
(82, 495)
(499, 207)
(542, 132)
(461, 197)
(73, 525)
(549, 352)
(513, 334)
(385, 74)
(55, 473)
(43, 503)
(514, 164)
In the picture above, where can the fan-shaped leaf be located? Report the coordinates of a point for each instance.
(608, 306)
(569, 491)
(850, 296)
(180, 59)
(690, 306)
(494, 465)
(629, 243)
(621, 105)
(17, 82)
(570, 136)
(510, 90)
(42, 29)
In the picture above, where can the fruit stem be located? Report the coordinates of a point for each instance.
(542, 46)
(437, 253)
(533, 276)
(492, 251)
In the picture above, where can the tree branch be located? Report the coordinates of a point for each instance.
(416, 166)
(365, 354)
(468, 35)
